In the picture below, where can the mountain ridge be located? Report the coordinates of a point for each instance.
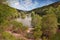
(55, 4)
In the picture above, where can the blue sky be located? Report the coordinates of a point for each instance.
(27, 5)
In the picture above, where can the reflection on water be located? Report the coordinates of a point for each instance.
(26, 21)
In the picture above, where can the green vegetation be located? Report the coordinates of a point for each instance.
(7, 16)
(50, 19)
(49, 25)
(18, 27)
(7, 13)
(23, 15)
(7, 36)
(56, 36)
(58, 13)
(36, 21)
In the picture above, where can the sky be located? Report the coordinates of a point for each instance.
(28, 5)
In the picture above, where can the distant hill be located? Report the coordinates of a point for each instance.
(47, 6)
(42, 9)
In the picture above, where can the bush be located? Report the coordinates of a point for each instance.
(7, 36)
(18, 27)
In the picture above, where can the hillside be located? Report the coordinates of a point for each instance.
(41, 10)
(8, 25)
(7, 12)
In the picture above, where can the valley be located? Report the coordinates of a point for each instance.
(42, 23)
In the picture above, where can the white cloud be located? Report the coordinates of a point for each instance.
(23, 4)
(17, 3)
(27, 3)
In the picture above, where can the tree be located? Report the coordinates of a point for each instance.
(58, 13)
(6, 15)
(23, 15)
(51, 10)
(18, 27)
(49, 23)
(36, 23)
